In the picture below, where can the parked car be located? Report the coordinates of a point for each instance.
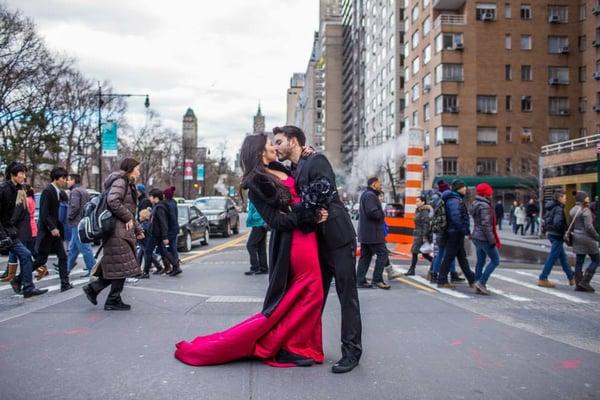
(193, 226)
(221, 213)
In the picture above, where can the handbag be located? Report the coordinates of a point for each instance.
(568, 238)
(426, 248)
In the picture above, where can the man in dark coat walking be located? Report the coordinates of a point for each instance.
(50, 230)
(337, 241)
(371, 236)
(499, 209)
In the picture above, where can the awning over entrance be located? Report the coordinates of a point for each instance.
(497, 182)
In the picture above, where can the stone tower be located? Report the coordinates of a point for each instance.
(190, 130)
(259, 122)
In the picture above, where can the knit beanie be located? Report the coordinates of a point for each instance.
(485, 190)
(443, 186)
(169, 192)
(457, 184)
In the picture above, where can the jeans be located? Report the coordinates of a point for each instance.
(76, 247)
(156, 243)
(557, 252)
(257, 248)
(24, 256)
(531, 221)
(367, 251)
(517, 227)
(437, 261)
(455, 248)
(484, 249)
(593, 264)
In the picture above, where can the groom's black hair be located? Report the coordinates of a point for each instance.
(291, 131)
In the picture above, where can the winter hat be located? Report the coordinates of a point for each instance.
(443, 186)
(485, 190)
(141, 188)
(169, 192)
(580, 196)
(457, 184)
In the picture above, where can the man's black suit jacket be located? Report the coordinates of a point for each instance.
(338, 230)
(48, 217)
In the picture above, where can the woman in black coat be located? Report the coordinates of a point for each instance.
(288, 330)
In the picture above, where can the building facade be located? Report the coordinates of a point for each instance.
(490, 83)
(259, 122)
(308, 104)
(293, 93)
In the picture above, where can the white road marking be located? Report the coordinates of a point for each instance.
(505, 294)
(425, 282)
(551, 292)
(234, 299)
(76, 282)
(47, 278)
(169, 291)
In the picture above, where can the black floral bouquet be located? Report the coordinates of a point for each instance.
(318, 194)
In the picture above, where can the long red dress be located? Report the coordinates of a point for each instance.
(294, 325)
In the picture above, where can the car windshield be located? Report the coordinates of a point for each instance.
(182, 213)
(208, 203)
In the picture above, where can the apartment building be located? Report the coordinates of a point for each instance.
(293, 93)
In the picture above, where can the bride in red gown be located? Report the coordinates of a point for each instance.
(288, 332)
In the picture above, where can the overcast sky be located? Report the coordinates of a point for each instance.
(219, 57)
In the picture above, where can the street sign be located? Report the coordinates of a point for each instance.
(200, 172)
(188, 172)
(110, 144)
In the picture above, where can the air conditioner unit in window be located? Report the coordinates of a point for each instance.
(596, 43)
(596, 10)
(426, 88)
(564, 50)
(596, 75)
(458, 46)
(453, 109)
(487, 16)
(597, 108)
(554, 81)
(563, 112)
(553, 19)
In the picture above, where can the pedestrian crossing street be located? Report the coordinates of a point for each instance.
(519, 286)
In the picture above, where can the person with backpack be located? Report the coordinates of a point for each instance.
(77, 200)
(555, 225)
(421, 233)
(585, 241)
(51, 230)
(484, 236)
(438, 227)
(159, 235)
(453, 237)
(118, 261)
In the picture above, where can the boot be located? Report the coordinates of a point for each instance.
(12, 272)
(167, 265)
(584, 284)
(41, 272)
(454, 277)
(578, 276)
(411, 271)
(433, 278)
(391, 273)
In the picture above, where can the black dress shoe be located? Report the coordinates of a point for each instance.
(285, 357)
(90, 294)
(454, 277)
(250, 272)
(176, 271)
(118, 306)
(158, 271)
(64, 288)
(15, 283)
(34, 292)
(346, 364)
(365, 285)
(145, 275)
(262, 272)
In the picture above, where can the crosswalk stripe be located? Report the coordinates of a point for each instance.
(425, 282)
(505, 294)
(47, 278)
(551, 292)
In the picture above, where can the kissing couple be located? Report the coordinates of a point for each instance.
(310, 245)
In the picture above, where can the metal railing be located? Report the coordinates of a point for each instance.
(450, 19)
(570, 145)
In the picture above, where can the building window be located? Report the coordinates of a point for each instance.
(426, 83)
(558, 14)
(583, 132)
(526, 73)
(525, 166)
(319, 103)
(486, 12)
(446, 103)
(446, 135)
(507, 41)
(427, 54)
(582, 12)
(446, 166)
(525, 42)
(558, 44)
(558, 75)
(581, 42)
(487, 104)
(487, 135)
(426, 112)
(449, 72)
(415, 13)
(415, 65)
(582, 104)
(508, 166)
(526, 11)
(508, 103)
(485, 167)
(526, 135)
(558, 135)
(427, 139)
(508, 134)
(448, 41)
(415, 91)
(508, 72)
(507, 11)
(526, 104)
(582, 73)
(415, 39)
(415, 119)
(425, 3)
(426, 26)
(559, 106)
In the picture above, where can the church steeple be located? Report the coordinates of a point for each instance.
(259, 121)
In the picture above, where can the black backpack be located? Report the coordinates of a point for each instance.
(439, 221)
(98, 221)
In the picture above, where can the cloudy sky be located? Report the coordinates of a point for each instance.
(219, 57)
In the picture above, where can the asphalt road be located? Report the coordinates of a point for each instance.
(523, 342)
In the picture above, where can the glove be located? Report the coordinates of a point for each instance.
(6, 243)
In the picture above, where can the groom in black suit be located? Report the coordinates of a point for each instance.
(336, 237)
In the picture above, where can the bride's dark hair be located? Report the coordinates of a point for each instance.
(256, 175)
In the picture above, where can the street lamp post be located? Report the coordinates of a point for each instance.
(109, 97)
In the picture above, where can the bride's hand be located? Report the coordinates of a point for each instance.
(307, 151)
(323, 214)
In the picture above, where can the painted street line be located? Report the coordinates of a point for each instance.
(169, 291)
(428, 284)
(50, 277)
(234, 299)
(505, 294)
(551, 292)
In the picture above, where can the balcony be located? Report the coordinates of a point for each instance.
(448, 4)
(571, 145)
(450, 19)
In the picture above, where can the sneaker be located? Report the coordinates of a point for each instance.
(546, 284)
(365, 285)
(392, 273)
(481, 288)
(382, 285)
